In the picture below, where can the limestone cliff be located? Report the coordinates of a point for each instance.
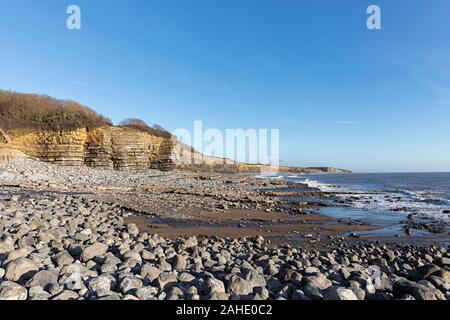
(120, 148)
(104, 147)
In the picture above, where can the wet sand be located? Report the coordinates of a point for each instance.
(278, 227)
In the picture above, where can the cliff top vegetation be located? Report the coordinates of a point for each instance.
(32, 111)
(42, 112)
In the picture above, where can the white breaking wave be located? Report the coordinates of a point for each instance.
(428, 196)
(404, 201)
(395, 202)
(322, 186)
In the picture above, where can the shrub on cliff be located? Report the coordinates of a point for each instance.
(42, 112)
(142, 126)
(134, 123)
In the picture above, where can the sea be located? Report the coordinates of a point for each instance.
(425, 194)
(384, 199)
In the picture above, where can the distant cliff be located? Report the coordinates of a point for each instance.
(252, 168)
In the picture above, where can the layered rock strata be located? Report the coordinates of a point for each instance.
(105, 147)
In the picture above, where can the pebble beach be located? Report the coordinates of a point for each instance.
(76, 233)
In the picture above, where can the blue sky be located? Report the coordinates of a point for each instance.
(340, 94)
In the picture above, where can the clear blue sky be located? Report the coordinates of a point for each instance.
(342, 95)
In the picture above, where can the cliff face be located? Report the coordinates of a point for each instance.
(8, 154)
(123, 148)
(119, 148)
(105, 147)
